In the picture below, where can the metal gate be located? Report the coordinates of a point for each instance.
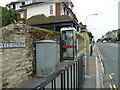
(70, 77)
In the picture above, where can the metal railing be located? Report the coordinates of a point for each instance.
(69, 77)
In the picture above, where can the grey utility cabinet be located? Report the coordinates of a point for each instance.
(46, 57)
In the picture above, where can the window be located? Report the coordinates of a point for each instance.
(51, 9)
(11, 6)
(62, 10)
(18, 6)
(65, 10)
(28, 2)
(22, 15)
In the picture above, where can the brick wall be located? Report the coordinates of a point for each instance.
(57, 5)
(25, 13)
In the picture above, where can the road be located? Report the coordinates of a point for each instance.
(110, 61)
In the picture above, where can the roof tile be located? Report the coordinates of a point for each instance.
(42, 19)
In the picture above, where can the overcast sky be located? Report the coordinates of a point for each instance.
(106, 20)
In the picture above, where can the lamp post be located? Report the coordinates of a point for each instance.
(87, 48)
(87, 17)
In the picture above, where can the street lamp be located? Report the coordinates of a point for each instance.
(87, 47)
(87, 18)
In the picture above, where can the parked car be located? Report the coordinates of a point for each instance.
(104, 41)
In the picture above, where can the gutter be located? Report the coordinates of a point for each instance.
(34, 3)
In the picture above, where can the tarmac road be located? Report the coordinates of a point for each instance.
(110, 62)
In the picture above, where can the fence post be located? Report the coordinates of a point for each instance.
(91, 49)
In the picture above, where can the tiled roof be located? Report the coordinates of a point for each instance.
(42, 19)
(115, 31)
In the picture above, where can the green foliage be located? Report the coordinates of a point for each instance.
(34, 66)
(23, 20)
(110, 40)
(9, 16)
(78, 35)
(82, 31)
(99, 40)
(118, 35)
(90, 35)
(42, 34)
(107, 39)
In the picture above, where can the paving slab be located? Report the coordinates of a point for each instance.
(90, 82)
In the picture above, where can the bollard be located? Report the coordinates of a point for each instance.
(91, 50)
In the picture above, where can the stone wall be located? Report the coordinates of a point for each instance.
(80, 43)
(17, 64)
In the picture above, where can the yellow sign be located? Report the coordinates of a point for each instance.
(84, 45)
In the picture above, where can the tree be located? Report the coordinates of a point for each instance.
(9, 16)
(99, 40)
(90, 36)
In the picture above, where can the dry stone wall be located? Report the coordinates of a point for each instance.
(15, 65)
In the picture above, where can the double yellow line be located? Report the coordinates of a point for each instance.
(110, 76)
(112, 87)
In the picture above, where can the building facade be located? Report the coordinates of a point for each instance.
(54, 15)
(30, 8)
(17, 6)
(48, 8)
(111, 34)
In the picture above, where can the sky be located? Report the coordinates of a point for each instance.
(106, 20)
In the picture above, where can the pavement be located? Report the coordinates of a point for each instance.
(93, 80)
(90, 80)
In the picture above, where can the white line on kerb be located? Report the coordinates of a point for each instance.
(97, 75)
